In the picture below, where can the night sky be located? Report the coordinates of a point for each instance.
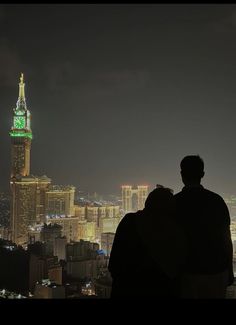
(121, 93)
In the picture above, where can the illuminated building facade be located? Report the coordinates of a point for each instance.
(97, 213)
(75, 229)
(92, 214)
(79, 212)
(87, 231)
(106, 219)
(21, 135)
(70, 226)
(27, 191)
(112, 211)
(60, 200)
(27, 205)
(133, 199)
(109, 224)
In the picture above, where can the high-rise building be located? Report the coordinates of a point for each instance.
(60, 201)
(133, 199)
(92, 214)
(126, 197)
(83, 260)
(109, 224)
(48, 235)
(27, 191)
(80, 212)
(41, 267)
(21, 135)
(83, 248)
(87, 230)
(70, 226)
(27, 205)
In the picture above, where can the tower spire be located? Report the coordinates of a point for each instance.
(22, 88)
(21, 103)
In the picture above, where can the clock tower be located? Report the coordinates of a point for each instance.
(21, 135)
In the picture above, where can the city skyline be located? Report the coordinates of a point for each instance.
(124, 104)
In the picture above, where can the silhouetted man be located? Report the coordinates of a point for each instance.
(204, 217)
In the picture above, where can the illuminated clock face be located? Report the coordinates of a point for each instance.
(19, 122)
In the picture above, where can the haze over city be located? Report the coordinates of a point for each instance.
(121, 93)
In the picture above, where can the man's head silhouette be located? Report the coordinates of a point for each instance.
(192, 170)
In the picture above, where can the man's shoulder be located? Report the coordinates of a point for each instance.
(212, 194)
(202, 192)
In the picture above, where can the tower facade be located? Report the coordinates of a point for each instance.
(133, 199)
(142, 193)
(21, 135)
(126, 197)
(27, 191)
(27, 205)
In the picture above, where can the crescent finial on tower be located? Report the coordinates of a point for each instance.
(22, 78)
(21, 89)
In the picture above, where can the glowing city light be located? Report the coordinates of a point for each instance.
(21, 134)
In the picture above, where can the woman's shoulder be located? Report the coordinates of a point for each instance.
(129, 217)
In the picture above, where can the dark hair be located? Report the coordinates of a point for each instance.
(192, 167)
(158, 198)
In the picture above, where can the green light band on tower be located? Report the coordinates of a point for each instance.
(21, 134)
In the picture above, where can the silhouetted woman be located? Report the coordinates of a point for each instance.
(148, 251)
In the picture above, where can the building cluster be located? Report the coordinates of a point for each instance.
(55, 246)
(64, 269)
(67, 244)
(35, 201)
(5, 294)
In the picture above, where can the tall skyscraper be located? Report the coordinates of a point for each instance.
(133, 199)
(126, 197)
(21, 135)
(142, 193)
(27, 191)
